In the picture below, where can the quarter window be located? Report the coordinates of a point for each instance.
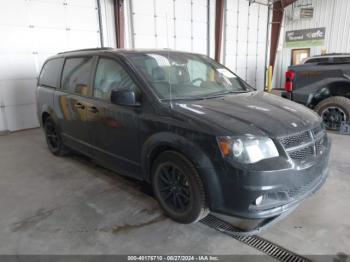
(342, 60)
(50, 73)
(110, 75)
(76, 75)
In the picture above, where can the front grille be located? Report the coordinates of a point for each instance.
(306, 145)
(295, 140)
(303, 153)
(287, 193)
(298, 191)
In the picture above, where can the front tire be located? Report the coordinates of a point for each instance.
(179, 188)
(53, 138)
(333, 111)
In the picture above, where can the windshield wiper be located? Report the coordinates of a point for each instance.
(205, 97)
(182, 98)
(225, 93)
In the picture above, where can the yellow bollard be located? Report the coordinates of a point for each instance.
(269, 79)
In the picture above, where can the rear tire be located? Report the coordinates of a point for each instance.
(333, 111)
(179, 188)
(53, 138)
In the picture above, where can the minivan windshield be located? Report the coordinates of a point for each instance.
(175, 75)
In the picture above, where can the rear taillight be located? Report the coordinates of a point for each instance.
(290, 75)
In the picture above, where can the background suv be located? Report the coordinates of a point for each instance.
(323, 84)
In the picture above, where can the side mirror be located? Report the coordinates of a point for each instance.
(125, 97)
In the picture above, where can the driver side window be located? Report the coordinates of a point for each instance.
(110, 75)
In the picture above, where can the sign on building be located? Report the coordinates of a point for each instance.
(305, 37)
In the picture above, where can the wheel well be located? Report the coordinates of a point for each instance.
(45, 115)
(159, 150)
(156, 152)
(333, 89)
(339, 89)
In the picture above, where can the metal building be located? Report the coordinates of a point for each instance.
(49, 27)
(331, 18)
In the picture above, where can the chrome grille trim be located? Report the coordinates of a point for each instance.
(295, 148)
(305, 145)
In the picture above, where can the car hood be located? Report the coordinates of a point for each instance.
(256, 113)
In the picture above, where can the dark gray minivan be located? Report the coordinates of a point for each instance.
(203, 138)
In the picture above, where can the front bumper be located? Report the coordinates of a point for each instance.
(283, 185)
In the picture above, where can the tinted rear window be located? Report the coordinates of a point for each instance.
(76, 75)
(317, 60)
(341, 60)
(50, 73)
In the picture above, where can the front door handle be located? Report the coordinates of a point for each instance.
(79, 105)
(93, 109)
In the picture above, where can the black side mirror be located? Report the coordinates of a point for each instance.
(125, 97)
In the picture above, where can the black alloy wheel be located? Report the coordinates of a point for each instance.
(53, 138)
(174, 187)
(333, 117)
(178, 188)
(334, 110)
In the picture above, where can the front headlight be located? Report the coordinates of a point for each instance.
(247, 149)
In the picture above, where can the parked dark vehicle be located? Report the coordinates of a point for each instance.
(322, 83)
(202, 137)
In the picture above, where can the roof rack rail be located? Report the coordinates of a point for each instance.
(86, 49)
(328, 54)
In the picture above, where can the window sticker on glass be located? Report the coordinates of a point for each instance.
(226, 73)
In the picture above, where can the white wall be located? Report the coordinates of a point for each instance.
(334, 15)
(245, 40)
(31, 31)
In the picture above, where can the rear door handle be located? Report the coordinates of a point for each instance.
(79, 105)
(93, 109)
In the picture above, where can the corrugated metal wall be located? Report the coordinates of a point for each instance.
(245, 40)
(334, 15)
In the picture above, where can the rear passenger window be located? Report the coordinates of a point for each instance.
(76, 75)
(50, 73)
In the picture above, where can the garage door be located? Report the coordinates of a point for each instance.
(177, 24)
(245, 40)
(30, 32)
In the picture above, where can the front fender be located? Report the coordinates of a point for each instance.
(310, 95)
(189, 149)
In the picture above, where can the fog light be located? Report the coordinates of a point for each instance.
(258, 200)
